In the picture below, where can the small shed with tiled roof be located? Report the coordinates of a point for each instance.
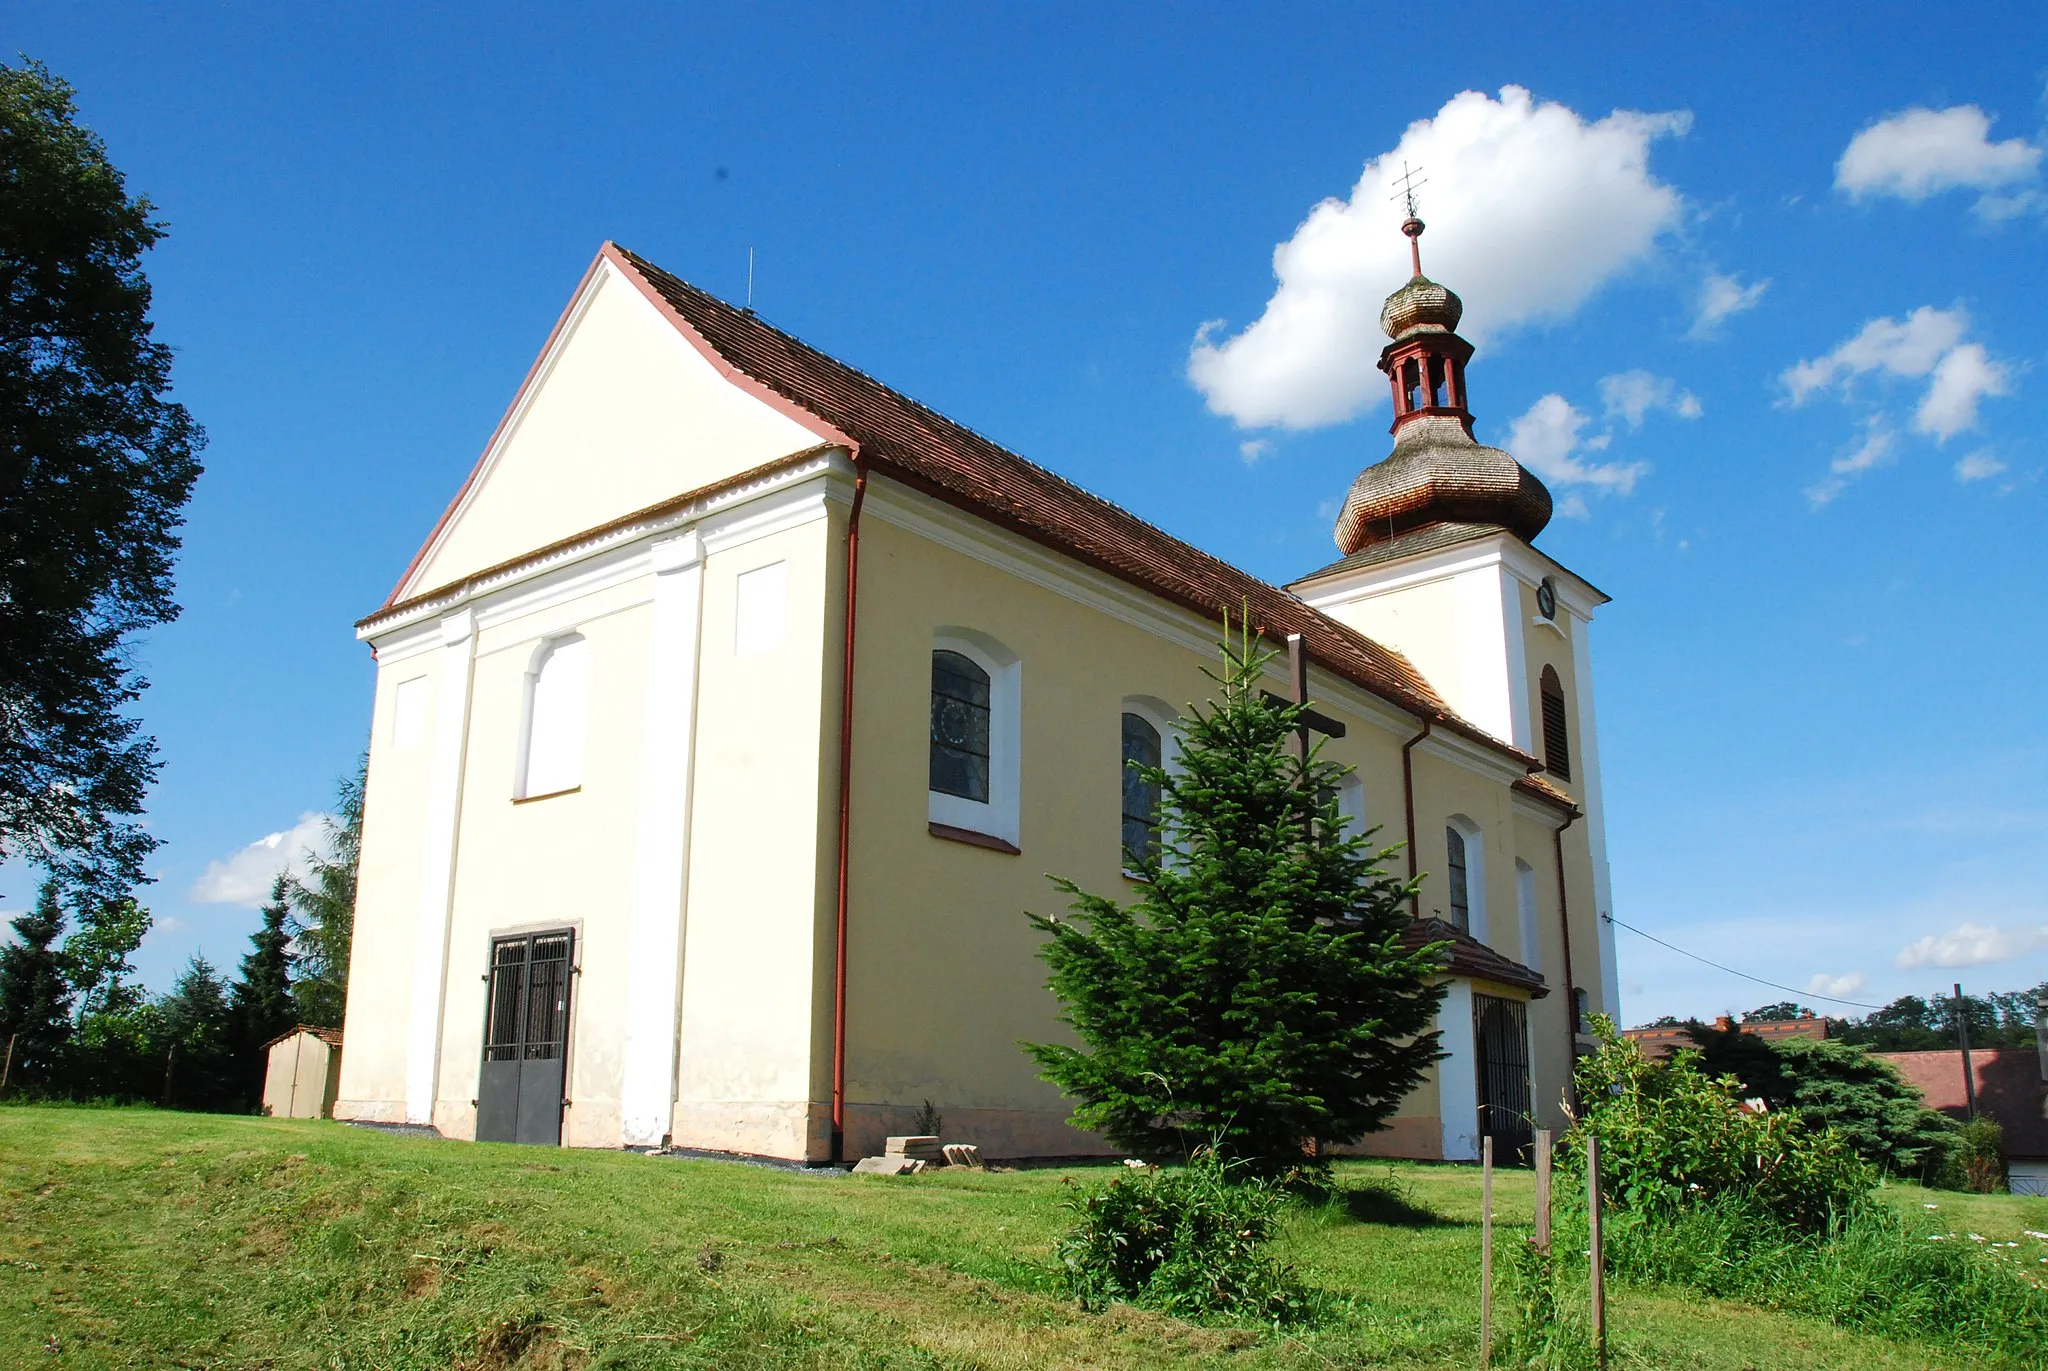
(302, 1072)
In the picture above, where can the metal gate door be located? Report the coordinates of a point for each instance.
(1500, 1029)
(526, 1040)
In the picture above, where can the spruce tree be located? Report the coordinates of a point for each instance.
(324, 910)
(261, 1004)
(196, 1040)
(35, 999)
(1257, 997)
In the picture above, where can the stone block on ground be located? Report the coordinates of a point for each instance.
(888, 1166)
(922, 1145)
(963, 1154)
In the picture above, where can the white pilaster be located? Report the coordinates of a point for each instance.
(1596, 816)
(1485, 692)
(1517, 662)
(437, 869)
(1457, 1076)
(647, 1093)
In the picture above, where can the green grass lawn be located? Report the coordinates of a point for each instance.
(130, 1238)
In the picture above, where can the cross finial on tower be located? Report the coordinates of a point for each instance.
(1406, 186)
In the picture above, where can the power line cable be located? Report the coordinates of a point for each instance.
(1804, 994)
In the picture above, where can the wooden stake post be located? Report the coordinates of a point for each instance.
(1486, 1251)
(1596, 1282)
(1542, 1238)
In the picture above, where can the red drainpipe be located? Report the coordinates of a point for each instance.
(1571, 989)
(1408, 800)
(860, 493)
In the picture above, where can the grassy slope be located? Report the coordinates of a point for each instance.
(141, 1239)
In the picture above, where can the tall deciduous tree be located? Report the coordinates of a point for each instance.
(324, 909)
(35, 998)
(1258, 995)
(96, 463)
(261, 1003)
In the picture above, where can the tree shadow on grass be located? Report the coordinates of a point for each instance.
(1389, 1203)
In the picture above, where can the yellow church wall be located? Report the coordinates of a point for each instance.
(943, 974)
(757, 975)
(558, 861)
(388, 875)
(623, 413)
(1549, 647)
(1426, 622)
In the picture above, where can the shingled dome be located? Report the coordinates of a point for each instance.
(1421, 305)
(1437, 473)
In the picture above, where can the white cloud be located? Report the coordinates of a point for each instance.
(1532, 209)
(1721, 298)
(1972, 945)
(1630, 395)
(1980, 465)
(1253, 449)
(1923, 152)
(1928, 343)
(1838, 987)
(1908, 348)
(245, 877)
(1961, 379)
(1877, 449)
(1547, 438)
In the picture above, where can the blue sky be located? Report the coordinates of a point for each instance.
(1773, 332)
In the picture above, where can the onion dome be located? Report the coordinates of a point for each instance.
(1437, 472)
(1422, 304)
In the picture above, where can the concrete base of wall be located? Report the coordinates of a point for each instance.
(370, 1111)
(1412, 1137)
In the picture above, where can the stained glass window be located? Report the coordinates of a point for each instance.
(1141, 796)
(960, 696)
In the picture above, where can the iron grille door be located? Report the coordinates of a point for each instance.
(1500, 1030)
(526, 1040)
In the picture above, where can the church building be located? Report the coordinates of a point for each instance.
(717, 619)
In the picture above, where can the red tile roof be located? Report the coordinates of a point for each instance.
(1470, 957)
(2009, 1089)
(906, 441)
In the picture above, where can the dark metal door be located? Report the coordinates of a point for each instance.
(1500, 1030)
(526, 1039)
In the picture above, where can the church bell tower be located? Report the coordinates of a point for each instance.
(1439, 562)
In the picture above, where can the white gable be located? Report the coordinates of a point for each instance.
(622, 412)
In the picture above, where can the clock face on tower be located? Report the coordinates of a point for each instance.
(1546, 599)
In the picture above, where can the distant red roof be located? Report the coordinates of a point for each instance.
(2009, 1089)
(1658, 1043)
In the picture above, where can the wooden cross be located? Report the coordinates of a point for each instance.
(1311, 721)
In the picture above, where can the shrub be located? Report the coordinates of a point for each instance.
(1187, 1240)
(1833, 1084)
(1672, 1138)
(1975, 1159)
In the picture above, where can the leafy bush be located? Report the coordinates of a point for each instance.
(1672, 1138)
(1188, 1240)
(1833, 1084)
(1975, 1159)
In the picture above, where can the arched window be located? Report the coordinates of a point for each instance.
(976, 741)
(960, 726)
(1525, 909)
(1557, 756)
(1464, 869)
(557, 713)
(1142, 747)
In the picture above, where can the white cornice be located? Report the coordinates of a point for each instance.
(1456, 747)
(1018, 556)
(1503, 550)
(618, 553)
